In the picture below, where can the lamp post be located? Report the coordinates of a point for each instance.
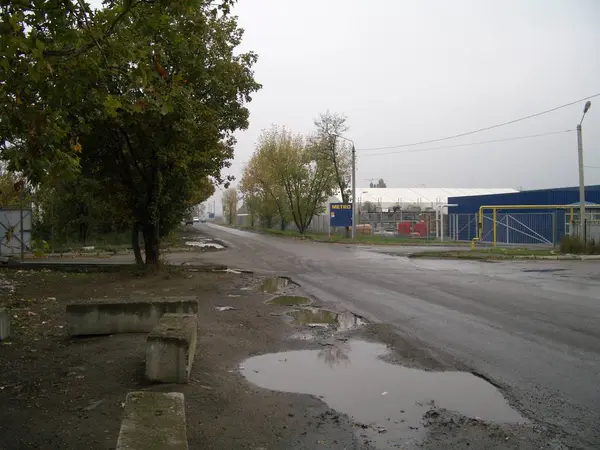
(582, 231)
(353, 183)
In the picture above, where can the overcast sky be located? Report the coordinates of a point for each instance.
(404, 71)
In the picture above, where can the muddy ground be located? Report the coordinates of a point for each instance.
(62, 393)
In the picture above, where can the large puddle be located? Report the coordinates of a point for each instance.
(353, 379)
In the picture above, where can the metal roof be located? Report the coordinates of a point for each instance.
(387, 197)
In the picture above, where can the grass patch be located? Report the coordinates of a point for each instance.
(288, 300)
(109, 243)
(360, 239)
(488, 254)
(576, 246)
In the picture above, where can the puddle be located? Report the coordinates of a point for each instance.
(201, 244)
(320, 317)
(288, 300)
(352, 379)
(272, 285)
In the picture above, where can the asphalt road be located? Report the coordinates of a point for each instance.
(533, 327)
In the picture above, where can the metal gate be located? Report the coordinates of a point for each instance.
(520, 228)
(15, 231)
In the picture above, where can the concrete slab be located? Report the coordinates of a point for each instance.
(171, 347)
(128, 315)
(153, 421)
(4, 323)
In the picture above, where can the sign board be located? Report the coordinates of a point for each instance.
(340, 214)
(211, 215)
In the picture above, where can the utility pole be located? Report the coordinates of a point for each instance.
(582, 231)
(353, 192)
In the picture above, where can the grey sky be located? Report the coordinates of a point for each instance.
(406, 71)
(413, 70)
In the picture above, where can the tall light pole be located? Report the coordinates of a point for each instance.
(582, 231)
(353, 183)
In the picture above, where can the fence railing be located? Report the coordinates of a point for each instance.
(507, 228)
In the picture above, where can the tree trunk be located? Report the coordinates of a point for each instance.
(151, 245)
(135, 244)
(283, 224)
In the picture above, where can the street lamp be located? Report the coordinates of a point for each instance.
(582, 231)
(353, 183)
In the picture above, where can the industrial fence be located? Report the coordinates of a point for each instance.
(522, 228)
(503, 228)
(15, 231)
(538, 228)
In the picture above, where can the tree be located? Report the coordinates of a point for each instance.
(230, 206)
(381, 184)
(257, 195)
(262, 183)
(11, 190)
(296, 166)
(143, 95)
(335, 151)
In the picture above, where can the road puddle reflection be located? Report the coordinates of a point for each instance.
(386, 401)
(317, 317)
(272, 285)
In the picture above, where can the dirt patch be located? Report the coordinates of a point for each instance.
(58, 392)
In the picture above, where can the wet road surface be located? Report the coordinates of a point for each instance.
(532, 327)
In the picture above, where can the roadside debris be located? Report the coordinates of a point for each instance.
(225, 308)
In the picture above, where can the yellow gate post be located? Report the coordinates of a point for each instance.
(495, 227)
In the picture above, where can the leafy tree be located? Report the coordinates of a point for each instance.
(298, 168)
(257, 195)
(262, 182)
(381, 184)
(12, 190)
(144, 96)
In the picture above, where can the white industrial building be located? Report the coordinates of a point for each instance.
(425, 198)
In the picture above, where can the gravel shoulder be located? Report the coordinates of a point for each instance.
(65, 393)
(62, 393)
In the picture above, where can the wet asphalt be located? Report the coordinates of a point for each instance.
(531, 327)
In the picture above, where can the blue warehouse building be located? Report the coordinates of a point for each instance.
(518, 226)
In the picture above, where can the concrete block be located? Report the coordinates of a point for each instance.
(170, 348)
(4, 323)
(153, 421)
(111, 316)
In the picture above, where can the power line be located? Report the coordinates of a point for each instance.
(592, 167)
(516, 138)
(482, 129)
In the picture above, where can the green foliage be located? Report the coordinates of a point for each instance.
(141, 97)
(13, 192)
(293, 173)
(576, 246)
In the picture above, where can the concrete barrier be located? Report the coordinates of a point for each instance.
(111, 316)
(153, 421)
(170, 348)
(4, 323)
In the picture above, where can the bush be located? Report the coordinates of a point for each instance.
(575, 245)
